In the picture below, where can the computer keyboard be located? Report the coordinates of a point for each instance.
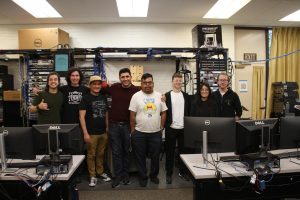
(229, 158)
(22, 164)
(289, 154)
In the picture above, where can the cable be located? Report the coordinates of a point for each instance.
(204, 168)
(270, 59)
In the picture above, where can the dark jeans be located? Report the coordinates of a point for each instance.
(119, 137)
(170, 144)
(147, 144)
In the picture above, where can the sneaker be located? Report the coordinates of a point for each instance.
(105, 177)
(116, 182)
(93, 182)
(169, 179)
(184, 176)
(154, 180)
(126, 180)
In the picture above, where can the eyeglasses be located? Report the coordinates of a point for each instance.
(147, 82)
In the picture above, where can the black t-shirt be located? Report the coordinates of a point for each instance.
(54, 101)
(72, 98)
(201, 108)
(96, 108)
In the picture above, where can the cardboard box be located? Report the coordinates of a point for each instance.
(136, 72)
(11, 95)
(42, 38)
(207, 36)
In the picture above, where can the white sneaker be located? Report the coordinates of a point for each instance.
(93, 182)
(105, 177)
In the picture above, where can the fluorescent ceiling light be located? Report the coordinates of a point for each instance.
(133, 8)
(38, 8)
(295, 16)
(224, 9)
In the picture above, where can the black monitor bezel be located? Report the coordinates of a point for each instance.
(220, 138)
(248, 135)
(289, 132)
(19, 140)
(71, 139)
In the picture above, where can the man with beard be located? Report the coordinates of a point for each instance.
(147, 119)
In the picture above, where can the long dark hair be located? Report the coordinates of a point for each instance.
(50, 74)
(200, 88)
(71, 70)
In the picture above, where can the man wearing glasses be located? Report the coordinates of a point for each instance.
(147, 119)
(229, 104)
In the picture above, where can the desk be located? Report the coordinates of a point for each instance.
(285, 182)
(64, 183)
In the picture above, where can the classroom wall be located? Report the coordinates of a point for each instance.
(248, 41)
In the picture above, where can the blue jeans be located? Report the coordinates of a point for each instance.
(119, 137)
(147, 144)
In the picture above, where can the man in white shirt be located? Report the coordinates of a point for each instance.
(177, 102)
(147, 119)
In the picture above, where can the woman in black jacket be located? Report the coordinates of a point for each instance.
(203, 104)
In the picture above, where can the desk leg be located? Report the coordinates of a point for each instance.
(197, 190)
(69, 190)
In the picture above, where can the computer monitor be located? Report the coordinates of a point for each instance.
(69, 136)
(254, 135)
(289, 132)
(220, 133)
(19, 143)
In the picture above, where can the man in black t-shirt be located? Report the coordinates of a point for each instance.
(93, 116)
(48, 103)
(72, 93)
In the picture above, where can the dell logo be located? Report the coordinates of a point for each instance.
(207, 122)
(259, 123)
(54, 127)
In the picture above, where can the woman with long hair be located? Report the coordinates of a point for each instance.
(203, 104)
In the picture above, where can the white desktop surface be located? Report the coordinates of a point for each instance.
(77, 160)
(192, 160)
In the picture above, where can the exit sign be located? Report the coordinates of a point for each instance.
(250, 56)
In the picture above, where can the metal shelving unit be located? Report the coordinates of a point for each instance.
(211, 62)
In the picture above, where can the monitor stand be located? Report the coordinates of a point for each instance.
(263, 158)
(205, 164)
(204, 148)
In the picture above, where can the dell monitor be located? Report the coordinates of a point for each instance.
(19, 143)
(220, 133)
(70, 139)
(252, 136)
(289, 132)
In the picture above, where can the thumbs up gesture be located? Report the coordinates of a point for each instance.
(43, 105)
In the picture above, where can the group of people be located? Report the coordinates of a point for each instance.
(136, 119)
(224, 102)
